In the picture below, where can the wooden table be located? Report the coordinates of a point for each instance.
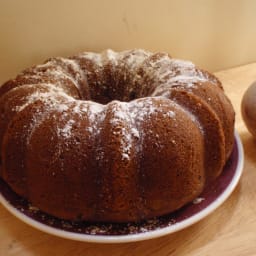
(230, 230)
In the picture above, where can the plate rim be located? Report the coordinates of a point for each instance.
(140, 236)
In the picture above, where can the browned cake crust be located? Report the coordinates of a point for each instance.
(113, 136)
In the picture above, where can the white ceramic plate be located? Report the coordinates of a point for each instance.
(208, 201)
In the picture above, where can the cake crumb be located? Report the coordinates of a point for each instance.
(198, 200)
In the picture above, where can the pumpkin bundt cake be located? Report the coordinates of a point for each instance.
(113, 137)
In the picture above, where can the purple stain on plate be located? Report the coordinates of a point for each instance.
(208, 196)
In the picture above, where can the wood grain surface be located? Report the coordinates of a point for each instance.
(230, 230)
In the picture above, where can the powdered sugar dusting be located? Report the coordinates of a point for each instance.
(62, 107)
(92, 111)
(166, 72)
(135, 133)
(59, 74)
(46, 96)
(95, 108)
(95, 57)
(133, 59)
(73, 64)
(171, 114)
(184, 64)
(141, 109)
(79, 74)
(95, 112)
(54, 72)
(66, 130)
(110, 56)
(119, 120)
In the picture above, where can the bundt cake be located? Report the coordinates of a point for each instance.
(113, 137)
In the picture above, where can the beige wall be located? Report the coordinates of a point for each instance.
(214, 34)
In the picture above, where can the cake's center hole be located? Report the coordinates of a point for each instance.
(106, 93)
